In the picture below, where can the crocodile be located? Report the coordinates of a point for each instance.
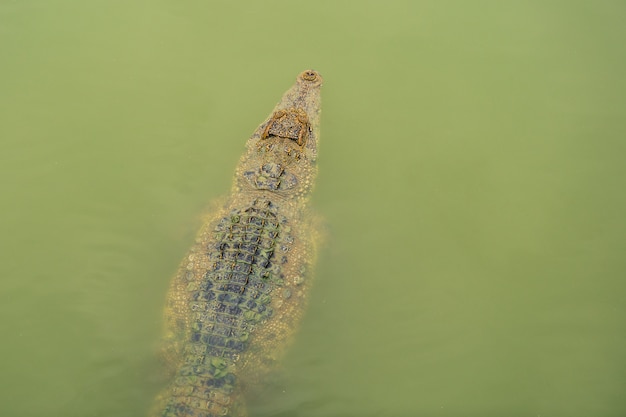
(236, 300)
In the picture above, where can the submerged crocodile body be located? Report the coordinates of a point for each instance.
(237, 297)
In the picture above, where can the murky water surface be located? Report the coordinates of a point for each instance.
(471, 176)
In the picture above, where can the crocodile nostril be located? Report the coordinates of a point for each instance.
(309, 75)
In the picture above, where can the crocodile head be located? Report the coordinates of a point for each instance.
(282, 151)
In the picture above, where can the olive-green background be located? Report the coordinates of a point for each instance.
(472, 178)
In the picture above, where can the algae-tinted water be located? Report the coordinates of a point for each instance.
(471, 177)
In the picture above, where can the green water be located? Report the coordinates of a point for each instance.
(472, 178)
